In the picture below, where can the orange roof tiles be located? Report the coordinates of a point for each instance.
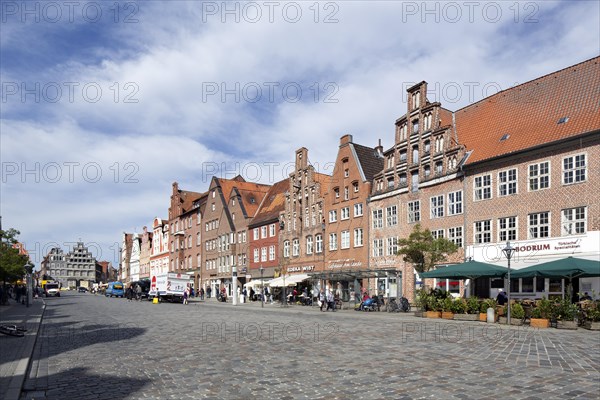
(529, 113)
(251, 193)
(272, 204)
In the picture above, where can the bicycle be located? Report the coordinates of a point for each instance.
(13, 330)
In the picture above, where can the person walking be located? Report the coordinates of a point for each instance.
(129, 293)
(321, 299)
(330, 301)
(201, 293)
(185, 295)
(138, 292)
(208, 291)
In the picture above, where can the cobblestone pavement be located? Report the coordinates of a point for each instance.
(107, 348)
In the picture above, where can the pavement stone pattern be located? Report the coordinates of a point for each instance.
(16, 351)
(107, 348)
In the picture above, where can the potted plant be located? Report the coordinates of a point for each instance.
(564, 313)
(434, 307)
(540, 315)
(517, 313)
(421, 302)
(447, 308)
(592, 318)
(461, 309)
(487, 303)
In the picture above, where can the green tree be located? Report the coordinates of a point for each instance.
(12, 264)
(424, 251)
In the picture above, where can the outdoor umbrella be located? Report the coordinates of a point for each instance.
(467, 270)
(570, 267)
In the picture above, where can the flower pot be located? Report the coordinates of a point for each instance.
(466, 317)
(447, 315)
(483, 317)
(433, 314)
(541, 323)
(566, 325)
(592, 325)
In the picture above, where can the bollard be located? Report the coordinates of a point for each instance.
(491, 316)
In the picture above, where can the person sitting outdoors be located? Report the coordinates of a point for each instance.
(585, 296)
(502, 298)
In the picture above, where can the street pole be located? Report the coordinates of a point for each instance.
(234, 283)
(262, 287)
(508, 252)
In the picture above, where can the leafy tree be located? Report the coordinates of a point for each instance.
(424, 251)
(12, 264)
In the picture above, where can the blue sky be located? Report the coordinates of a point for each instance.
(138, 95)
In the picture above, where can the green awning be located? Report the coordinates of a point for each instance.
(570, 267)
(467, 270)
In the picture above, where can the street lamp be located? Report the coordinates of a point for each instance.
(508, 253)
(262, 287)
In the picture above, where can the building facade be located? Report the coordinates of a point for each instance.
(159, 257)
(72, 269)
(230, 206)
(145, 253)
(302, 221)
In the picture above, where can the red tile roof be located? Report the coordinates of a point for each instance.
(251, 193)
(272, 204)
(529, 113)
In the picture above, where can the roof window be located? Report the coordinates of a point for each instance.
(563, 120)
(504, 137)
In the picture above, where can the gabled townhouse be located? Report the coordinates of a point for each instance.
(532, 176)
(145, 253)
(346, 215)
(159, 257)
(185, 219)
(230, 206)
(302, 221)
(264, 233)
(125, 257)
(419, 184)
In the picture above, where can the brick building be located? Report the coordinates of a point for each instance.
(230, 206)
(185, 218)
(159, 257)
(531, 177)
(520, 165)
(303, 221)
(346, 213)
(264, 232)
(145, 252)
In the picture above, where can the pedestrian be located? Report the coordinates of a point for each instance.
(330, 301)
(129, 293)
(138, 292)
(502, 298)
(321, 299)
(201, 293)
(208, 291)
(185, 296)
(244, 295)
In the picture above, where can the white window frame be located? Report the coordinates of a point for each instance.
(391, 215)
(256, 233)
(345, 240)
(571, 221)
(256, 255)
(309, 245)
(507, 184)
(538, 225)
(271, 253)
(358, 209)
(318, 243)
(455, 237)
(392, 246)
(506, 231)
(455, 203)
(333, 216)
(378, 218)
(263, 232)
(414, 211)
(436, 207)
(295, 247)
(271, 230)
(286, 248)
(263, 254)
(482, 231)
(574, 170)
(333, 241)
(537, 178)
(358, 237)
(344, 213)
(378, 248)
(482, 188)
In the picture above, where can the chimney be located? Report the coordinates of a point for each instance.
(345, 140)
(379, 149)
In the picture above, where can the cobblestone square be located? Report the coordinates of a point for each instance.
(96, 347)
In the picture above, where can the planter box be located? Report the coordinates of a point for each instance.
(513, 321)
(539, 323)
(592, 326)
(433, 314)
(566, 325)
(419, 314)
(447, 315)
(466, 317)
(503, 320)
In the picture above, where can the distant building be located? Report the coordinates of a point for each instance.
(73, 269)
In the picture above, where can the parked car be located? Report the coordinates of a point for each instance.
(82, 289)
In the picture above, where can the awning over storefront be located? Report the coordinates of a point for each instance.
(350, 275)
(287, 280)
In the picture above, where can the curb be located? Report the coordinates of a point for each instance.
(16, 383)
